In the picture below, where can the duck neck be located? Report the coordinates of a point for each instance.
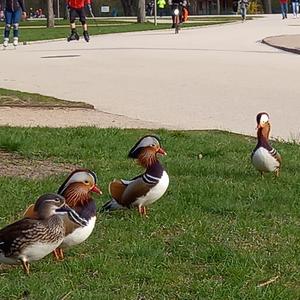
(263, 135)
(55, 221)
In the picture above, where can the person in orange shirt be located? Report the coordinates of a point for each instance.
(185, 11)
(76, 8)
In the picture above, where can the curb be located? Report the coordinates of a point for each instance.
(287, 49)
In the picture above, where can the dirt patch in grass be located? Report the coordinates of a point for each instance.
(12, 164)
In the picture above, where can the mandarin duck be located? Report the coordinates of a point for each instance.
(146, 188)
(264, 157)
(77, 190)
(29, 239)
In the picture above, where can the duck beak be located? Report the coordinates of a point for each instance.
(262, 125)
(161, 151)
(96, 190)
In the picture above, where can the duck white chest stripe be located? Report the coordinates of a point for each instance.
(155, 192)
(79, 235)
(150, 179)
(264, 161)
(273, 151)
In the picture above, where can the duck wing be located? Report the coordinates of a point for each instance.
(124, 192)
(116, 189)
(276, 155)
(30, 212)
(13, 233)
(136, 189)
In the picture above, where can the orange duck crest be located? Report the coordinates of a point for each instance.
(77, 194)
(147, 157)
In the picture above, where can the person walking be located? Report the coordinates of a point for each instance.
(235, 5)
(161, 7)
(284, 8)
(76, 9)
(13, 10)
(295, 7)
(243, 8)
(185, 11)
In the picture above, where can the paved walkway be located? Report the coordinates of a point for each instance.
(211, 77)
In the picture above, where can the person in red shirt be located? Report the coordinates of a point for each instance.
(284, 8)
(76, 8)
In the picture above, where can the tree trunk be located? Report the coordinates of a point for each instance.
(218, 7)
(127, 7)
(141, 17)
(267, 6)
(50, 15)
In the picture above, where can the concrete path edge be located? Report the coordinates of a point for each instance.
(270, 42)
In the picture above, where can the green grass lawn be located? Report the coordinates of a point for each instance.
(36, 30)
(14, 98)
(218, 233)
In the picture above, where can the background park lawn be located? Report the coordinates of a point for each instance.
(33, 30)
(220, 231)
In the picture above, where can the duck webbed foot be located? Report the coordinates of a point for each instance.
(142, 211)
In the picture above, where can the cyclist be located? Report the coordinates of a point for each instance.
(175, 4)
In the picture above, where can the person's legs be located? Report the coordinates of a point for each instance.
(82, 17)
(173, 21)
(282, 10)
(293, 9)
(74, 35)
(244, 13)
(242, 10)
(16, 17)
(73, 15)
(286, 9)
(173, 15)
(297, 9)
(8, 22)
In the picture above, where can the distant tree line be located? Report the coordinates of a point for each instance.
(130, 7)
(123, 7)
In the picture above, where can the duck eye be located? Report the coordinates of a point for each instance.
(86, 182)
